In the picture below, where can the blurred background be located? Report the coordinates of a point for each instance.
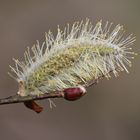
(110, 110)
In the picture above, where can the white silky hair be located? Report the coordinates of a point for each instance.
(80, 34)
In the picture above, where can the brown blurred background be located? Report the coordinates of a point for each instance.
(110, 110)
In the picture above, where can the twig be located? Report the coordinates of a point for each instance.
(19, 99)
(58, 94)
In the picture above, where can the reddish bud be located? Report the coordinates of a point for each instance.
(72, 94)
(34, 106)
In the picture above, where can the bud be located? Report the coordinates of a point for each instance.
(33, 106)
(72, 94)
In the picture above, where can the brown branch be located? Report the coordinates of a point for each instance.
(18, 99)
(58, 94)
(70, 94)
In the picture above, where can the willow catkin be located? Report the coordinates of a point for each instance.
(74, 57)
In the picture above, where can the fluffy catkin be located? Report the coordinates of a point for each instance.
(74, 57)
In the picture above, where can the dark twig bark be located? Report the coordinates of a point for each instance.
(19, 99)
(58, 94)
